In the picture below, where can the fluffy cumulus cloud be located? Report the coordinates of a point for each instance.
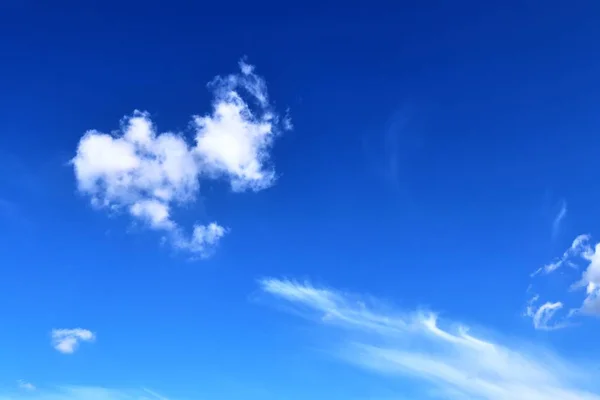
(67, 341)
(147, 173)
(583, 260)
(451, 362)
(83, 393)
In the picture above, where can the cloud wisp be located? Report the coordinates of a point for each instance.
(27, 386)
(542, 315)
(67, 341)
(445, 358)
(388, 152)
(83, 393)
(558, 219)
(577, 249)
(147, 174)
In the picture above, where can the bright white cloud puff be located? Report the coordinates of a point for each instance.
(67, 341)
(146, 173)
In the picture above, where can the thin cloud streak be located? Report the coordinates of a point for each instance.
(562, 213)
(83, 393)
(578, 248)
(416, 345)
(389, 152)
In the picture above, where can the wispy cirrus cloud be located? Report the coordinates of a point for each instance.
(578, 248)
(416, 345)
(558, 219)
(147, 174)
(389, 151)
(83, 393)
(67, 341)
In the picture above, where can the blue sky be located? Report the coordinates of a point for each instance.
(243, 202)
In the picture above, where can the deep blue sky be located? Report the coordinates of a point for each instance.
(433, 147)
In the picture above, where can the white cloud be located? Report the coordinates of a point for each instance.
(589, 280)
(203, 240)
(579, 248)
(146, 173)
(233, 141)
(560, 216)
(67, 341)
(543, 314)
(591, 303)
(416, 345)
(27, 386)
(84, 393)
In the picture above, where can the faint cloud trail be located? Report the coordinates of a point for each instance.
(562, 213)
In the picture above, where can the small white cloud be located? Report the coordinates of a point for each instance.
(287, 121)
(67, 341)
(444, 357)
(147, 174)
(27, 386)
(530, 308)
(203, 240)
(560, 216)
(542, 316)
